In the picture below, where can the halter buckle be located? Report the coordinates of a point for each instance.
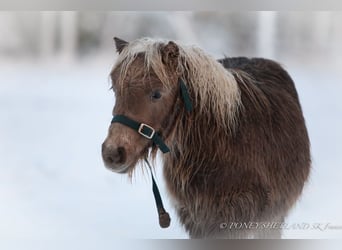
(148, 136)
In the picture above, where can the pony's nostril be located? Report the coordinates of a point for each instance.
(109, 159)
(120, 155)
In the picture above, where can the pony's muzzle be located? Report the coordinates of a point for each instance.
(114, 157)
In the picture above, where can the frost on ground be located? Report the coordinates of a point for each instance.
(54, 187)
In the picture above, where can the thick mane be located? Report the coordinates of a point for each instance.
(213, 87)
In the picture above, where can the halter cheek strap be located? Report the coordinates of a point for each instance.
(143, 129)
(185, 95)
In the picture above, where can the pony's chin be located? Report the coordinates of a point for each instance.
(124, 169)
(121, 170)
(127, 168)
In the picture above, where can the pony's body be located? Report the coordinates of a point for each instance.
(241, 156)
(259, 169)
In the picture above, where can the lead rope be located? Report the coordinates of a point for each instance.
(149, 133)
(164, 217)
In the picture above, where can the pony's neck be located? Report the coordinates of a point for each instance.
(214, 90)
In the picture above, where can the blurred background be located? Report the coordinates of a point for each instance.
(301, 36)
(55, 109)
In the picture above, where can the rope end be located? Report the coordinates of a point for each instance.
(164, 220)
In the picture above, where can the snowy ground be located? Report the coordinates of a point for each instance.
(55, 190)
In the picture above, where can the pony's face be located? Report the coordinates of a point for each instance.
(141, 97)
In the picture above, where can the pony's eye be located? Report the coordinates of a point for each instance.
(155, 95)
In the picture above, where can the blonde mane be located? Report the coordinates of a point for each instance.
(214, 88)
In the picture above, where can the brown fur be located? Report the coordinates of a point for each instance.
(251, 170)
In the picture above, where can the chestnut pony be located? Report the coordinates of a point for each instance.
(236, 152)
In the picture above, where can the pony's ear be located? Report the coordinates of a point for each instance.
(170, 54)
(120, 44)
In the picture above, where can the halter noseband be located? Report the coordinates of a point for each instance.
(143, 129)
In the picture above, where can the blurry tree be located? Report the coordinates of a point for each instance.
(266, 33)
(68, 35)
(11, 42)
(47, 38)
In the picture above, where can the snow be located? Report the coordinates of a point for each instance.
(55, 190)
(319, 91)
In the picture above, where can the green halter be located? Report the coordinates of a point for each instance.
(150, 133)
(147, 131)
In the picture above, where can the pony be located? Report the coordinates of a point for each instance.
(236, 148)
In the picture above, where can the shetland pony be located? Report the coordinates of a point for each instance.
(240, 155)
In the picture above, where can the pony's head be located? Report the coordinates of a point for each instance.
(145, 81)
(156, 84)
